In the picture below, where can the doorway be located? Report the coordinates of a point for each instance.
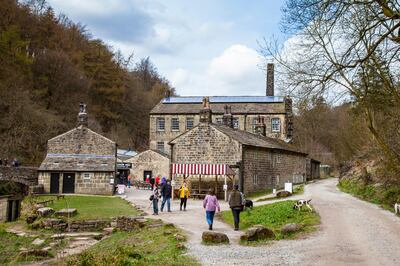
(55, 183)
(69, 183)
(147, 173)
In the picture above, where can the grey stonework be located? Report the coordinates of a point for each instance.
(88, 155)
(264, 162)
(149, 160)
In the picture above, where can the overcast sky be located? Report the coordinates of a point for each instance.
(203, 47)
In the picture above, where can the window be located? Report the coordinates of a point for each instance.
(236, 123)
(160, 124)
(276, 125)
(254, 124)
(175, 124)
(87, 176)
(189, 123)
(219, 120)
(160, 146)
(255, 179)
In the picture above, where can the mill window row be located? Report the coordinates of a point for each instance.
(175, 125)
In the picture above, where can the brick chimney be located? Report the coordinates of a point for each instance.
(260, 128)
(82, 115)
(227, 119)
(205, 112)
(270, 79)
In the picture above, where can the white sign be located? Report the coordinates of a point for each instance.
(225, 187)
(289, 187)
(112, 181)
(173, 183)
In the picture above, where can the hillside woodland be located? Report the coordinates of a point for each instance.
(48, 64)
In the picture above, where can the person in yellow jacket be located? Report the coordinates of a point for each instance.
(184, 194)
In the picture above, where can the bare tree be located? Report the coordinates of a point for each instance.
(335, 42)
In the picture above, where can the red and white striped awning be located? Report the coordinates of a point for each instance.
(201, 169)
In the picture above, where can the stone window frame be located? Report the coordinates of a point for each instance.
(255, 179)
(276, 124)
(254, 124)
(175, 124)
(219, 121)
(235, 122)
(159, 145)
(87, 175)
(191, 119)
(160, 121)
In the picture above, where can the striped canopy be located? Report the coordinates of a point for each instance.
(202, 169)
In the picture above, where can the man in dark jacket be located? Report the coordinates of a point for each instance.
(166, 193)
(236, 204)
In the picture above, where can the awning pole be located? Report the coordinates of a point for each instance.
(199, 184)
(226, 190)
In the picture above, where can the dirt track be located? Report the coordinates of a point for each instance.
(352, 232)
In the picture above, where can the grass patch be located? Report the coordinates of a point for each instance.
(297, 190)
(11, 245)
(274, 216)
(258, 194)
(374, 193)
(91, 207)
(147, 246)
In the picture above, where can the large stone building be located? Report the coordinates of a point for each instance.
(79, 161)
(258, 160)
(176, 115)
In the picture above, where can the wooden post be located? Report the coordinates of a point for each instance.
(216, 185)
(199, 184)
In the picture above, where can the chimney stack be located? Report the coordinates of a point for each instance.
(82, 115)
(270, 79)
(227, 119)
(205, 112)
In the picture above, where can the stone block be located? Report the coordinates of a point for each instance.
(45, 211)
(290, 228)
(211, 237)
(257, 232)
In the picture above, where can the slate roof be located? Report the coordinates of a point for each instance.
(239, 105)
(250, 139)
(78, 162)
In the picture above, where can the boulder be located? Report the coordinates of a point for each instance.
(45, 211)
(210, 237)
(31, 218)
(66, 212)
(283, 194)
(257, 232)
(180, 246)
(34, 252)
(38, 242)
(290, 228)
(179, 237)
(108, 230)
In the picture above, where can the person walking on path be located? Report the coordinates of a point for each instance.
(129, 180)
(154, 197)
(157, 180)
(184, 194)
(211, 204)
(235, 201)
(166, 193)
(152, 182)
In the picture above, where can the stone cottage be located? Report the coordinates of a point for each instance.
(259, 161)
(149, 163)
(79, 161)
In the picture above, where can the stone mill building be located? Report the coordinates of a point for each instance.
(79, 161)
(258, 161)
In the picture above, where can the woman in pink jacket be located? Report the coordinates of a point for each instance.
(211, 204)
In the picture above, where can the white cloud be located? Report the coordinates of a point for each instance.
(179, 78)
(236, 71)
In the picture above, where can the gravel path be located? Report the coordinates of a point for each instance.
(352, 232)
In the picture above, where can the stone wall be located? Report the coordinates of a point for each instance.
(149, 161)
(272, 168)
(245, 123)
(22, 175)
(98, 184)
(205, 145)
